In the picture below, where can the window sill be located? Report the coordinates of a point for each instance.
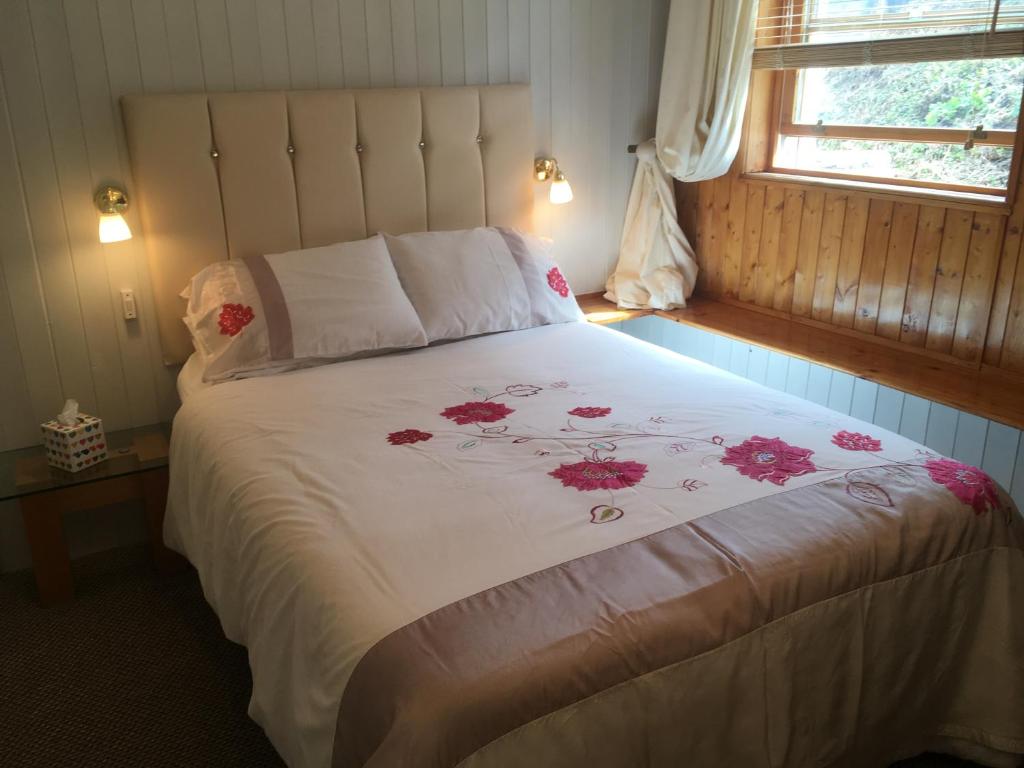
(992, 204)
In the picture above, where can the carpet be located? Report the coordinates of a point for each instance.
(134, 672)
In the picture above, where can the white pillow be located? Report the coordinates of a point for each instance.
(462, 283)
(551, 299)
(281, 311)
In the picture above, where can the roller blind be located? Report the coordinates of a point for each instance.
(794, 34)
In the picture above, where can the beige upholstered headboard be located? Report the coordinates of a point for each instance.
(227, 175)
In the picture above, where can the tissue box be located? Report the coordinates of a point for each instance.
(75, 448)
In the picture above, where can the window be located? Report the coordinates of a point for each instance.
(919, 93)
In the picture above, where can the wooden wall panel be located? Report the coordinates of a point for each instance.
(948, 279)
(945, 278)
(594, 66)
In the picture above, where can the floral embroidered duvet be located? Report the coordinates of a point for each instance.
(563, 546)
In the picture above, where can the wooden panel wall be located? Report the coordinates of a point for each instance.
(995, 447)
(942, 279)
(594, 66)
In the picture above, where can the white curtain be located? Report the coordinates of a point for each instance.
(704, 81)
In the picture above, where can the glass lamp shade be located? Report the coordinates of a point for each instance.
(561, 192)
(113, 228)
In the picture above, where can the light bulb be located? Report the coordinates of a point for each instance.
(113, 228)
(561, 192)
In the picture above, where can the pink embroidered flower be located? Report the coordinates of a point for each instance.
(468, 413)
(590, 412)
(407, 436)
(557, 282)
(233, 318)
(589, 475)
(969, 484)
(769, 458)
(855, 441)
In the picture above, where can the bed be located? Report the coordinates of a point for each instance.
(557, 546)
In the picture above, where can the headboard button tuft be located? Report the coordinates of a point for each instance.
(359, 147)
(479, 139)
(214, 153)
(291, 149)
(422, 143)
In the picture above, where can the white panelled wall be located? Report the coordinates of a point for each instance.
(995, 447)
(594, 66)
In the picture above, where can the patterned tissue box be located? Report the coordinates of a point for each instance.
(75, 448)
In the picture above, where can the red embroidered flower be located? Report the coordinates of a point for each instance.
(468, 413)
(589, 475)
(557, 282)
(233, 318)
(969, 484)
(590, 412)
(407, 436)
(855, 441)
(769, 458)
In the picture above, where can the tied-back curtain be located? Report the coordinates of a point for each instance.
(704, 81)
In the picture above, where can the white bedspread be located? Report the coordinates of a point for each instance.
(315, 536)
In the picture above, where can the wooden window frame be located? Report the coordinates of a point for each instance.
(784, 125)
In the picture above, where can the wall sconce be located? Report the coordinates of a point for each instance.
(545, 168)
(112, 203)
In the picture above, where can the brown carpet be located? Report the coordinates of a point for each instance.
(134, 673)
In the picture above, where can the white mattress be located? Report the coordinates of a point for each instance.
(315, 537)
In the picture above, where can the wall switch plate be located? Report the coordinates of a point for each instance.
(128, 304)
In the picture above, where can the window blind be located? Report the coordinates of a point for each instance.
(794, 34)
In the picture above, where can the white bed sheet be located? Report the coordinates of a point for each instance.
(314, 536)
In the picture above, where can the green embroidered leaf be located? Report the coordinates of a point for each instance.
(481, 392)
(468, 445)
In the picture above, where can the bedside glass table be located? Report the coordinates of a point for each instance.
(136, 470)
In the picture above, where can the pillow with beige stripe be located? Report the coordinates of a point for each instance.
(484, 280)
(266, 314)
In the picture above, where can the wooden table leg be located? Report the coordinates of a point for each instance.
(154, 495)
(50, 559)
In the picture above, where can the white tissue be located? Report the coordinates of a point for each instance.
(69, 416)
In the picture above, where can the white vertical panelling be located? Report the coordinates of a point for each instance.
(941, 431)
(154, 48)
(888, 407)
(183, 46)
(244, 43)
(778, 370)
(969, 441)
(593, 66)
(428, 42)
(453, 59)
(212, 22)
(1001, 446)
(354, 52)
(914, 418)
(796, 378)
(840, 392)
(330, 70)
(995, 447)
(497, 41)
(818, 382)
(474, 40)
(302, 65)
(862, 406)
(519, 41)
(273, 43)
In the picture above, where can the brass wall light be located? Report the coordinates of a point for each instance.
(545, 168)
(112, 203)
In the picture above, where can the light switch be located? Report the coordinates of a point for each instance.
(128, 304)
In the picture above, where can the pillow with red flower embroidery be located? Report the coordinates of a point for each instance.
(551, 299)
(266, 314)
